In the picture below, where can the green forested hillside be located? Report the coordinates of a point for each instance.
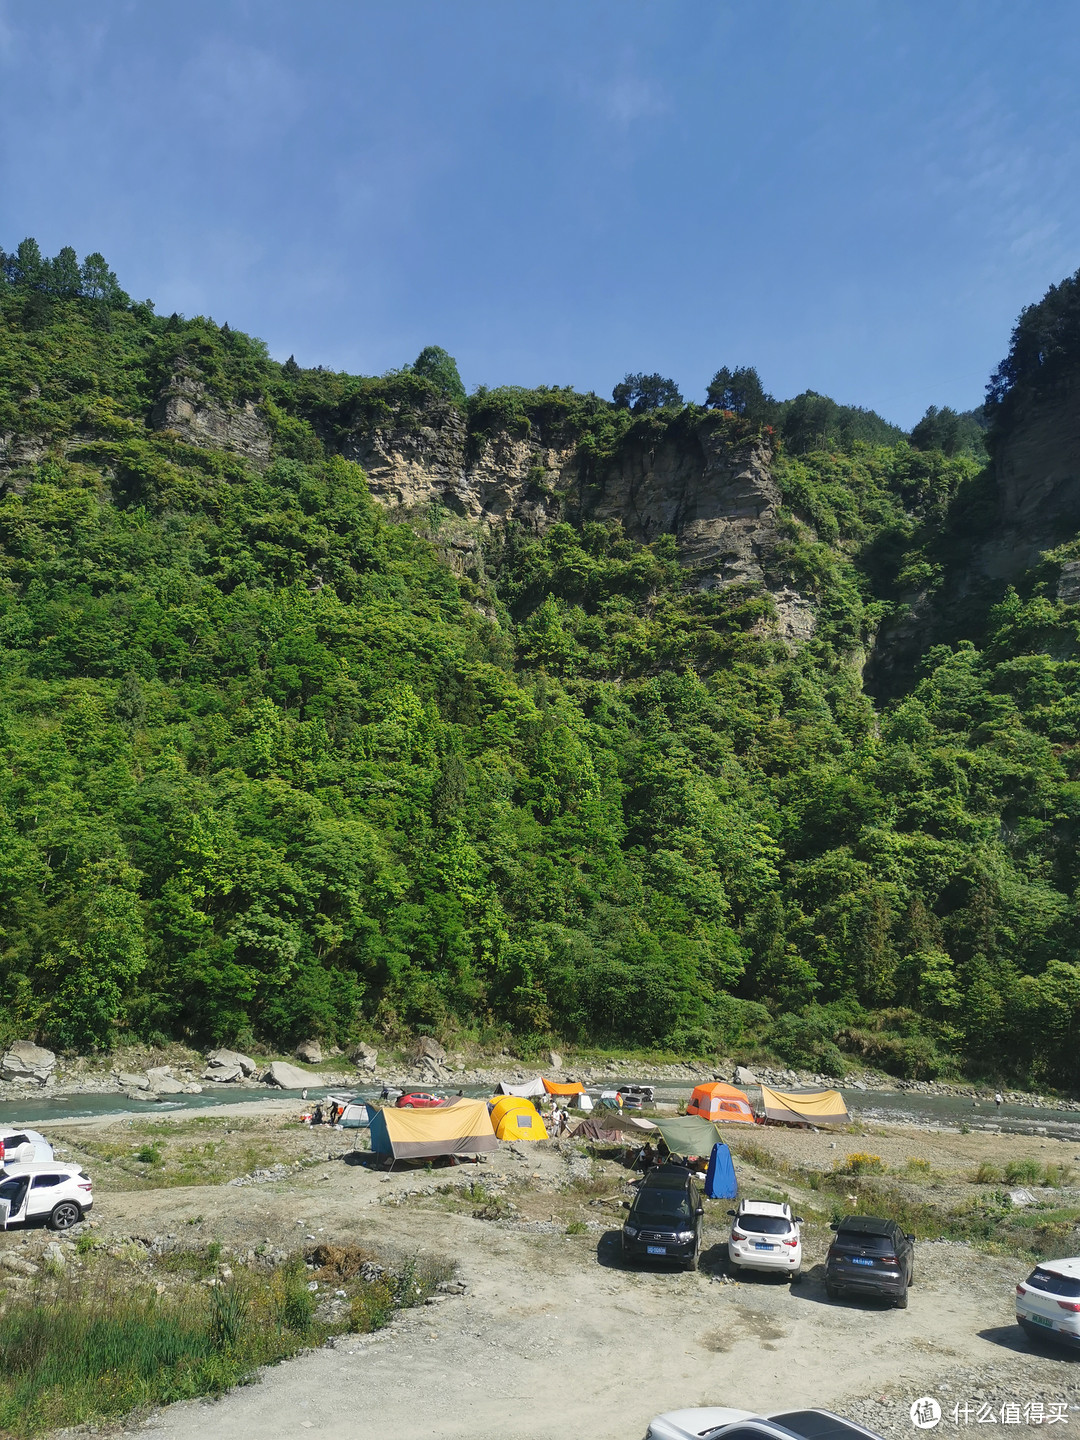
(268, 768)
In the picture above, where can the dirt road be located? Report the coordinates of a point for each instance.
(555, 1340)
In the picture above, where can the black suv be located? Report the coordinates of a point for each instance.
(665, 1218)
(869, 1256)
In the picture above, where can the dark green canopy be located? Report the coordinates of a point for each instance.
(689, 1135)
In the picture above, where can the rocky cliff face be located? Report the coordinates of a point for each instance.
(1031, 505)
(1037, 468)
(719, 500)
(186, 407)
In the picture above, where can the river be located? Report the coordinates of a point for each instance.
(898, 1106)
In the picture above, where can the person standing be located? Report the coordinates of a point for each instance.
(998, 1100)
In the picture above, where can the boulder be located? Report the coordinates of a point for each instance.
(554, 1060)
(223, 1074)
(310, 1051)
(232, 1057)
(289, 1077)
(425, 1048)
(132, 1082)
(364, 1056)
(23, 1060)
(743, 1076)
(166, 1085)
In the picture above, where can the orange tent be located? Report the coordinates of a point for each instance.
(574, 1088)
(718, 1102)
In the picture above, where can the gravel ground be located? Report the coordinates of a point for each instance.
(554, 1337)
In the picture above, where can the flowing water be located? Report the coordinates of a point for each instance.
(906, 1107)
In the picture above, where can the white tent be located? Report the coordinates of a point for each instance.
(527, 1090)
(356, 1115)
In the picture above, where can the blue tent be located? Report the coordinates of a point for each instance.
(720, 1183)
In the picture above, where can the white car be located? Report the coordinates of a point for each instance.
(717, 1423)
(1048, 1301)
(61, 1195)
(766, 1236)
(23, 1145)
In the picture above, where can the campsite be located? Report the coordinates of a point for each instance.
(531, 1232)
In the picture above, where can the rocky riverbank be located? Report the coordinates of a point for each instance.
(144, 1073)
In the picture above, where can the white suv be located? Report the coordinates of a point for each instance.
(61, 1195)
(766, 1236)
(1048, 1301)
(23, 1145)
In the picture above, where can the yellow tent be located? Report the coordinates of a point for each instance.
(515, 1118)
(805, 1107)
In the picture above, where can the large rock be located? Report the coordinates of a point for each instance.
(223, 1074)
(23, 1060)
(743, 1076)
(364, 1057)
(166, 1085)
(554, 1060)
(425, 1048)
(289, 1077)
(232, 1057)
(131, 1081)
(310, 1051)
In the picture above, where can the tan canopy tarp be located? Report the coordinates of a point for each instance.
(806, 1107)
(461, 1128)
(574, 1087)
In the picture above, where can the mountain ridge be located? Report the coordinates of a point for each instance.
(583, 751)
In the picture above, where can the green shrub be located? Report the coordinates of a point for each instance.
(986, 1174)
(1022, 1172)
(861, 1163)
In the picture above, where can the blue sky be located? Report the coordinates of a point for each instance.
(856, 197)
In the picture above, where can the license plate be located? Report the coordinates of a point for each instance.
(760, 1245)
(1042, 1320)
(656, 1249)
(858, 1260)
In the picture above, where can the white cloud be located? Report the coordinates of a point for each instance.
(622, 98)
(247, 93)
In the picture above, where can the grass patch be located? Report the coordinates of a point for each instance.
(92, 1347)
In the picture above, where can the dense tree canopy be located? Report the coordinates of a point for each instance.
(268, 767)
(639, 393)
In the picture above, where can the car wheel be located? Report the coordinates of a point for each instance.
(796, 1277)
(831, 1291)
(901, 1301)
(64, 1215)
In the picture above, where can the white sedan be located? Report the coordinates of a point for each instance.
(766, 1236)
(716, 1423)
(1048, 1301)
